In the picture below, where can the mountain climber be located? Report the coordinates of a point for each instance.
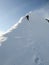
(47, 20)
(27, 17)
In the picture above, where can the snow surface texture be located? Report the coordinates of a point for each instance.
(27, 42)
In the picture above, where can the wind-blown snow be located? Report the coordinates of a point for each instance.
(27, 42)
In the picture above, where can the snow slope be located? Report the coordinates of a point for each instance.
(26, 43)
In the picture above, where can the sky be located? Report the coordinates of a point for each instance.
(12, 10)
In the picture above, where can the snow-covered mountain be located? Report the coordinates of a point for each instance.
(27, 42)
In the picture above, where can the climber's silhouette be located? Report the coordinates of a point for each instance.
(47, 20)
(27, 17)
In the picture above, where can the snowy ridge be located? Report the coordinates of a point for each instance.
(26, 43)
(17, 24)
(14, 26)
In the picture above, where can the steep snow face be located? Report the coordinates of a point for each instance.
(27, 42)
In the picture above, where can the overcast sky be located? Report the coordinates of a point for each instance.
(12, 10)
